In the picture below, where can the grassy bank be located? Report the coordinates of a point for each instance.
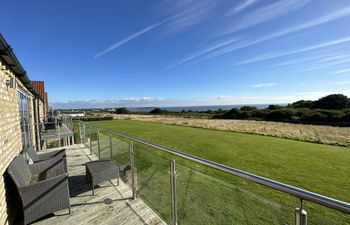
(223, 199)
(310, 133)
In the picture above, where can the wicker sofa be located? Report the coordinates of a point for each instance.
(43, 187)
(58, 155)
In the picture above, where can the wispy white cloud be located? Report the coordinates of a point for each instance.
(314, 95)
(342, 82)
(204, 51)
(186, 13)
(323, 66)
(300, 61)
(129, 38)
(183, 14)
(263, 85)
(341, 71)
(277, 54)
(241, 6)
(268, 13)
(332, 58)
(315, 59)
(223, 49)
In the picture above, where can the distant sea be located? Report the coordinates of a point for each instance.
(199, 108)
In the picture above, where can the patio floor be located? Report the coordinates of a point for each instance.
(111, 204)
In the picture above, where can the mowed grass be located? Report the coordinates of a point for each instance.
(223, 199)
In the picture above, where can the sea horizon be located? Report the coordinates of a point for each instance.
(195, 108)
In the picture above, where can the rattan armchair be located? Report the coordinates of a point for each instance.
(57, 155)
(43, 187)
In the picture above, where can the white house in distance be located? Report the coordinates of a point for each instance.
(72, 113)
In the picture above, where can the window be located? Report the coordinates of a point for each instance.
(25, 119)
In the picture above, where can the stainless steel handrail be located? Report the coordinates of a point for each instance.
(297, 192)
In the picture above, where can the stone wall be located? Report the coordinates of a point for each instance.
(10, 138)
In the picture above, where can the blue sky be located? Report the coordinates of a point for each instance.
(165, 53)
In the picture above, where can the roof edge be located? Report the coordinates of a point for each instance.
(16, 67)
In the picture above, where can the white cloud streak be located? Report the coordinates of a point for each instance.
(273, 55)
(323, 66)
(242, 6)
(268, 13)
(342, 71)
(129, 38)
(184, 15)
(314, 95)
(263, 85)
(225, 49)
(204, 51)
(342, 82)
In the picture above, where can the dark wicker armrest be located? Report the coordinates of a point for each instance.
(34, 192)
(48, 155)
(54, 163)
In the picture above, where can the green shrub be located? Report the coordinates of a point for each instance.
(335, 101)
(122, 111)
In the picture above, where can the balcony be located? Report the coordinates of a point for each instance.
(164, 186)
(111, 203)
(57, 129)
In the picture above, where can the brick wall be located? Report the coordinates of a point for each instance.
(10, 138)
(42, 110)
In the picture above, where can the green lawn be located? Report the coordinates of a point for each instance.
(212, 197)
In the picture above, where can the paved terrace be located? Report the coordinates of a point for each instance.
(111, 204)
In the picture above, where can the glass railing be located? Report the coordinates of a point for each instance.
(205, 196)
(152, 179)
(185, 190)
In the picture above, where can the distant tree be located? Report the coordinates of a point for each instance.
(122, 111)
(249, 108)
(279, 115)
(335, 101)
(235, 114)
(156, 111)
(302, 104)
(274, 107)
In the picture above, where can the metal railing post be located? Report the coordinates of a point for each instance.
(90, 146)
(131, 155)
(84, 137)
(80, 133)
(110, 147)
(98, 143)
(173, 193)
(300, 215)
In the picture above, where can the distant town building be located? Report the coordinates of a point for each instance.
(72, 113)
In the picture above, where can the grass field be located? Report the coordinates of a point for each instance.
(211, 197)
(311, 133)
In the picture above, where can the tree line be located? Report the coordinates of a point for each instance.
(330, 110)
